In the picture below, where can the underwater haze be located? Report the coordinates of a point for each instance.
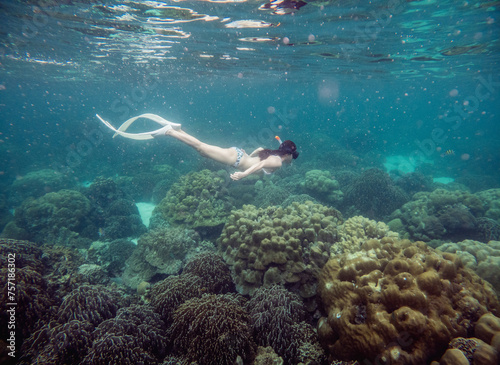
(394, 109)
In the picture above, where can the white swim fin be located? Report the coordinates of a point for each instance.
(155, 118)
(144, 135)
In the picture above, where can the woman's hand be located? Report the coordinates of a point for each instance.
(238, 175)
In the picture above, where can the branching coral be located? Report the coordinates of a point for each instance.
(398, 302)
(374, 195)
(168, 294)
(213, 330)
(136, 334)
(91, 303)
(117, 349)
(58, 343)
(211, 268)
(274, 311)
(21, 269)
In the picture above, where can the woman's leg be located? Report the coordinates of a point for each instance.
(224, 155)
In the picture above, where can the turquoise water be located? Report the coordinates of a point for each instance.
(398, 86)
(393, 71)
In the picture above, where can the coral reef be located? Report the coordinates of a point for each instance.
(57, 343)
(114, 215)
(204, 273)
(357, 230)
(34, 304)
(443, 214)
(274, 310)
(23, 283)
(61, 268)
(111, 256)
(414, 182)
(168, 294)
(159, 252)
(93, 274)
(483, 258)
(267, 356)
(224, 319)
(146, 182)
(197, 201)
(479, 350)
(37, 183)
(122, 220)
(213, 271)
(116, 349)
(134, 336)
(491, 201)
(278, 321)
(373, 195)
(321, 185)
(398, 302)
(103, 191)
(487, 327)
(279, 245)
(487, 229)
(308, 350)
(91, 303)
(268, 194)
(56, 218)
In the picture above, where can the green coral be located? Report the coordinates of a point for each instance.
(198, 200)
(443, 214)
(56, 218)
(323, 186)
(491, 203)
(279, 245)
(373, 195)
(159, 251)
(37, 183)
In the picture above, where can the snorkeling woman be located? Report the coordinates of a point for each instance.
(259, 161)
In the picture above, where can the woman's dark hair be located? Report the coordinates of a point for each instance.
(285, 148)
